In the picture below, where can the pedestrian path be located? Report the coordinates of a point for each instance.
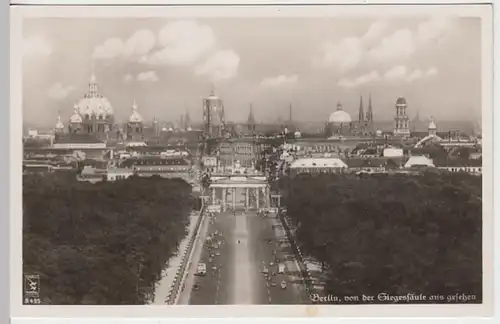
(291, 263)
(313, 268)
(169, 275)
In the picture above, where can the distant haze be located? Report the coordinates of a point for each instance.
(168, 66)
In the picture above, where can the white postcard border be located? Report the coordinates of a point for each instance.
(19, 310)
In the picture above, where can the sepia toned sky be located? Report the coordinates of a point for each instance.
(167, 66)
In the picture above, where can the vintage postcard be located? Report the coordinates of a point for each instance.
(251, 161)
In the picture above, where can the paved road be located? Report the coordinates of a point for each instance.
(237, 276)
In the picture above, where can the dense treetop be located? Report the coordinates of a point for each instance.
(103, 243)
(395, 234)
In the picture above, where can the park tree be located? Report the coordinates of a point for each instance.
(104, 243)
(397, 234)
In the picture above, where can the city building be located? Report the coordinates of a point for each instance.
(340, 122)
(93, 114)
(114, 174)
(402, 121)
(244, 150)
(213, 116)
(317, 165)
(135, 125)
(166, 167)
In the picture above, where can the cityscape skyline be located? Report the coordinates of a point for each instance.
(154, 62)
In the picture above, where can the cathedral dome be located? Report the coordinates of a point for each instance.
(432, 125)
(75, 118)
(59, 124)
(401, 101)
(339, 116)
(94, 104)
(135, 117)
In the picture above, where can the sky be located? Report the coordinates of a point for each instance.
(167, 66)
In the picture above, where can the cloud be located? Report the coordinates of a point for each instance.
(220, 65)
(402, 73)
(182, 43)
(400, 44)
(58, 91)
(128, 77)
(431, 71)
(279, 80)
(149, 76)
(399, 73)
(404, 42)
(349, 51)
(376, 30)
(433, 29)
(344, 55)
(366, 78)
(137, 45)
(36, 47)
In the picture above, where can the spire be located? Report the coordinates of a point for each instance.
(339, 106)
(59, 124)
(361, 114)
(290, 113)
(187, 119)
(93, 91)
(134, 106)
(369, 117)
(212, 91)
(251, 118)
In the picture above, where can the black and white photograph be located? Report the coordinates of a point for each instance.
(307, 157)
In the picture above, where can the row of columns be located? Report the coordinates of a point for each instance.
(259, 192)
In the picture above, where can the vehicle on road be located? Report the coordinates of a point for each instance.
(202, 269)
(271, 263)
(265, 271)
(281, 268)
(217, 254)
(273, 284)
(214, 268)
(210, 260)
(283, 284)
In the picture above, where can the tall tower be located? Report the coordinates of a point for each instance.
(402, 121)
(135, 124)
(369, 115)
(59, 125)
(187, 120)
(156, 127)
(361, 113)
(213, 116)
(432, 127)
(251, 120)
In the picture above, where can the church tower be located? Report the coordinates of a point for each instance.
(432, 128)
(361, 113)
(251, 120)
(402, 121)
(369, 115)
(59, 125)
(135, 125)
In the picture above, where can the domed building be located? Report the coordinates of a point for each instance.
(93, 114)
(341, 123)
(340, 117)
(432, 128)
(135, 125)
(59, 125)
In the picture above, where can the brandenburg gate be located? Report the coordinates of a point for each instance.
(252, 186)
